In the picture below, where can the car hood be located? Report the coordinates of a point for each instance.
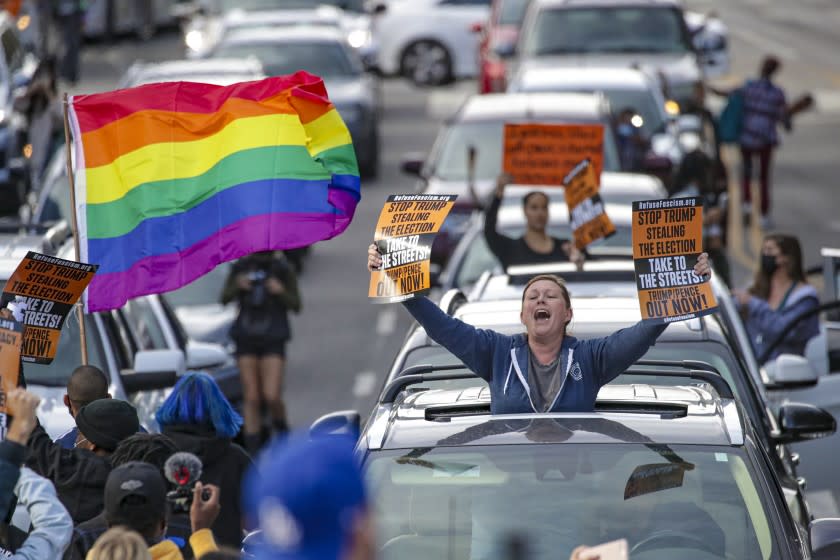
(679, 68)
(207, 323)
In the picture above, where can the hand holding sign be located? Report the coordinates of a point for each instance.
(399, 261)
(21, 405)
(671, 272)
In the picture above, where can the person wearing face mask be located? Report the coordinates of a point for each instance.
(535, 245)
(544, 369)
(779, 294)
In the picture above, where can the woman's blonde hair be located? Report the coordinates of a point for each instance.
(119, 543)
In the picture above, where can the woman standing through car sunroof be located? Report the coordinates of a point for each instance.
(544, 369)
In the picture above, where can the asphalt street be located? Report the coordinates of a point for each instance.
(343, 345)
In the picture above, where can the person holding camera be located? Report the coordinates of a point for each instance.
(135, 498)
(265, 286)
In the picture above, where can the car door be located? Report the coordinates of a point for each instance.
(454, 19)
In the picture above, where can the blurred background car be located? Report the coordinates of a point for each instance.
(620, 33)
(206, 22)
(216, 71)
(430, 42)
(143, 18)
(325, 53)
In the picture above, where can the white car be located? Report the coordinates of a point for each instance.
(431, 42)
(210, 21)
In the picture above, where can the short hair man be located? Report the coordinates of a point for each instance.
(135, 497)
(311, 503)
(86, 384)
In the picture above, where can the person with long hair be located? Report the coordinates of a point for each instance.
(779, 293)
(200, 420)
(265, 286)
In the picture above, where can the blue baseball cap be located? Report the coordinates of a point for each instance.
(305, 493)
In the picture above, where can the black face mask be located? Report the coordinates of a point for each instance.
(768, 264)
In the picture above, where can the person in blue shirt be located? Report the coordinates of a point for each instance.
(543, 370)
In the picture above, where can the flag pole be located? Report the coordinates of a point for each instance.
(80, 312)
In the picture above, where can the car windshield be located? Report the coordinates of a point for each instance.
(69, 354)
(450, 160)
(325, 59)
(478, 258)
(461, 502)
(205, 290)
(223, 6)
(631, 29)
(511, 12)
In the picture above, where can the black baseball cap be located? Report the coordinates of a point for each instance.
(135, 494)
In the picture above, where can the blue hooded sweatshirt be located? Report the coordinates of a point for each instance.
(502, 360)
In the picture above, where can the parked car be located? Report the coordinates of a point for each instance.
(217, 71)
(324, 52)
(678, 471)
(479, 125)
(208, 21)
(430, 42)
(619, 33)
(501, 33)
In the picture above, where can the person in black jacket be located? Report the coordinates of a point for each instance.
(265, 286)
(200, 420)
(535, 246)
(79, 474)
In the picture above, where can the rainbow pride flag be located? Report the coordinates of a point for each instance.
(172, 179)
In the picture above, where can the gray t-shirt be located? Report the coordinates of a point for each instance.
(545, 381)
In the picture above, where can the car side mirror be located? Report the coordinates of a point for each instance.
(343, 422)
(802, 422)
(791, 371)
(202, 355)
(154, 369)
(412, 164)
(825, 538)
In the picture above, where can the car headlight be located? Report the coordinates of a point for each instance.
(194, 40)
(358, 38)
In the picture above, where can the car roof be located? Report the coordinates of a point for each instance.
(534, 107)
(315, 15)
(703, 419)
(511, 215)
(574, 3)
(294, 34)
(205, 70)
(642, 187)
(592, 77)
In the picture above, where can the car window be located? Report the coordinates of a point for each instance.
(12, 50)
(512, 12)
(487, 138)
(325, 59)
(145, 323)
(460, 502)
(69, 354)
(205, 290)
(606, 29)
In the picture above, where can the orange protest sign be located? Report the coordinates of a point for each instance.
(587, 215)
(667, 239)
(11, 337)
(45, 288)
(404, 234)
(543, 154)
